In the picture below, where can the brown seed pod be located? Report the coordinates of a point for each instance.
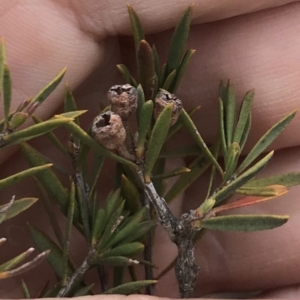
(108, 130)
(123, 99)
(163, 98)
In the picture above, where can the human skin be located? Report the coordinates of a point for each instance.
(255, 43)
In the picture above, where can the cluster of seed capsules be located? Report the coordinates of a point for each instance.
(109, 128)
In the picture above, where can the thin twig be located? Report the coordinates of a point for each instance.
(77, 275)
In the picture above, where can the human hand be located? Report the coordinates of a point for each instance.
(258, 49)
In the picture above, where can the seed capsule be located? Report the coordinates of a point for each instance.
(123, 99)
(163, 98)
(108, 130)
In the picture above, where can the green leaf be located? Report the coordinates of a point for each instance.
(157, 139)
(18, 206)
(156, 61)
(17, 119)
(83, 291)
(173, 173)
(97, 167)
(287, 180)
(198, 167)
(130, 288)
(145, 117)
(131, 195)
(55, 258)
(241, 126)
(192, 130)
(266, 140)
(245, 134)
(267, 191)
(232, 157)
(145, 66)
(70, 114)
(25, 291)
(139, 231)
(244, 222)
(229, 109)
(231, 188)
(69, 103)
(182, 68)
(33, 131)
(128, 249)
(129, 229)
(16, 260)
(181, 152)
(86, 139)
(6, 92)
(49, 88)
(110, 227)
(162, 75)
(178, 125)
(47, 178)
(13, 179)
(2, 61)
(169, 80)
(126, 75)
(117, 261)
(136, 27)
(98, 226)
(221, 126)
(178, 42)
(140, 100)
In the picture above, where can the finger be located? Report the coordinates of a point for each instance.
(255, 51)
(112, 18)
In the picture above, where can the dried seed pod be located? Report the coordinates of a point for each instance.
(108, 130)
(163, 98)
(123, 99)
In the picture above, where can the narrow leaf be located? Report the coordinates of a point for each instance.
(182, 68)
(33, 131)
(136, 27)
(55, 258)
(126, 75)
(16, 260)
(232, 157)
(25, 291)
(173, 173)
(2, 61)
(145, 117)
(287, 180)
(97, 167)
(117, 261)
(266, 140)
(243, 116)
(156, 61)
(47, 178)
(229, 109)
(169, 80)
(128, 249)
(98, 227)
(6, 93)
(130, 288)
(18, 206)
(157, 139)
(191, 128)
(244, 222)
(221, 120)
(49, 88)
(131, 195)
(140, 100)
(182, 151)
(229, 189)
(69, 102)
(178, 42)
(83, 291)
(145, 65)
(249, 200)
(13, 179)
(246, 131)
(266, 191)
